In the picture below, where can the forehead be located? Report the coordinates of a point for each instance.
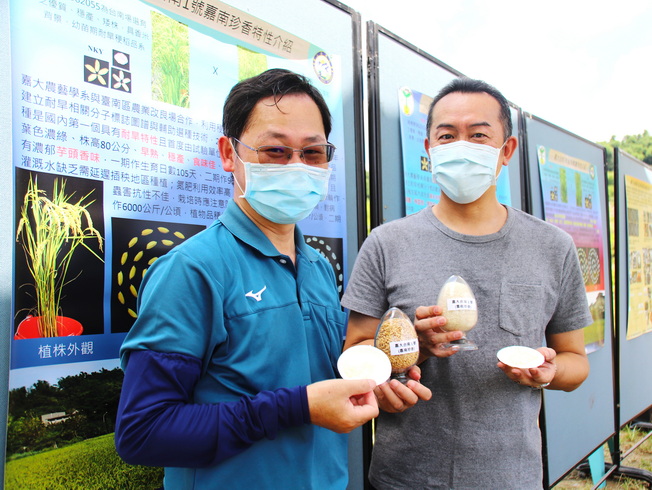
(292, 113)
(461, 109)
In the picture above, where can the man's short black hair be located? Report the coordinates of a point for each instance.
(276, 83)
(470, 86)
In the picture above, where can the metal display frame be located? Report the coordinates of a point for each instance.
(561, 435)
(379, 169)
(345, 36)
(638, 394)
(6, 228)
(359, 190)
(639, 390)
(374, 31)
(382, 206)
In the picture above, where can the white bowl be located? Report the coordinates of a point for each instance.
(519, 356)
(364, 362)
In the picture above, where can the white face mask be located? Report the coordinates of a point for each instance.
(284, 193)
(464, 170)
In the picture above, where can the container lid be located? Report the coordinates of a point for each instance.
(364, 362)
(519, 356)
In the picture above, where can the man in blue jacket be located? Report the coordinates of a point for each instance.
(229, 367)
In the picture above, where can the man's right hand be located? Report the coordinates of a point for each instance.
(395, 397)
(429, 324)
(342, 405)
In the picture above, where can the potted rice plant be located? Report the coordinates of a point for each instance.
(50, 230)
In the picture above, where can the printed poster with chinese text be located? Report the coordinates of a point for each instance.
(639, 250)
(419, 187)
(571, 201)
(116, 118)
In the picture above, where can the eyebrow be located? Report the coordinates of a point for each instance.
(275, 134)
(474, 125)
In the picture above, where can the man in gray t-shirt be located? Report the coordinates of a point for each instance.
(476, 423)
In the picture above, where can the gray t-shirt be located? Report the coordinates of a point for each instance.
(479, 430)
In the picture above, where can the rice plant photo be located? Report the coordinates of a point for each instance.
(170, 61)
(49, 232)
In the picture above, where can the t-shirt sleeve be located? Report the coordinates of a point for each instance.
(159, 425)
(365, 292)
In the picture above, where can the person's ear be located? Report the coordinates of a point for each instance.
(509, 149)
(227, 153)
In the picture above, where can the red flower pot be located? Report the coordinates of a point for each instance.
(66, 327)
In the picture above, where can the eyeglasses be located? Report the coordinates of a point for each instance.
(312, 154)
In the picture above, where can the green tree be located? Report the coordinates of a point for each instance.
(44, 397)
(89, 401)
(18, 403)
(95, 395)
(639, 146)
(23, 433)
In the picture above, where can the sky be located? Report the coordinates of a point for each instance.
(26, 377)
(584, 66)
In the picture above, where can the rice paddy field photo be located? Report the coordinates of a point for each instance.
(90, 464)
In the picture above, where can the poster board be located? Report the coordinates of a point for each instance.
(633, 214)
(568, 189)
(89, 108)
(398, 104)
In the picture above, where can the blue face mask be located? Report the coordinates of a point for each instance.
(286, 193)
(464, 170)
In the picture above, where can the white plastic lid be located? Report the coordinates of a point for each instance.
(364, 362)
(519, 356)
